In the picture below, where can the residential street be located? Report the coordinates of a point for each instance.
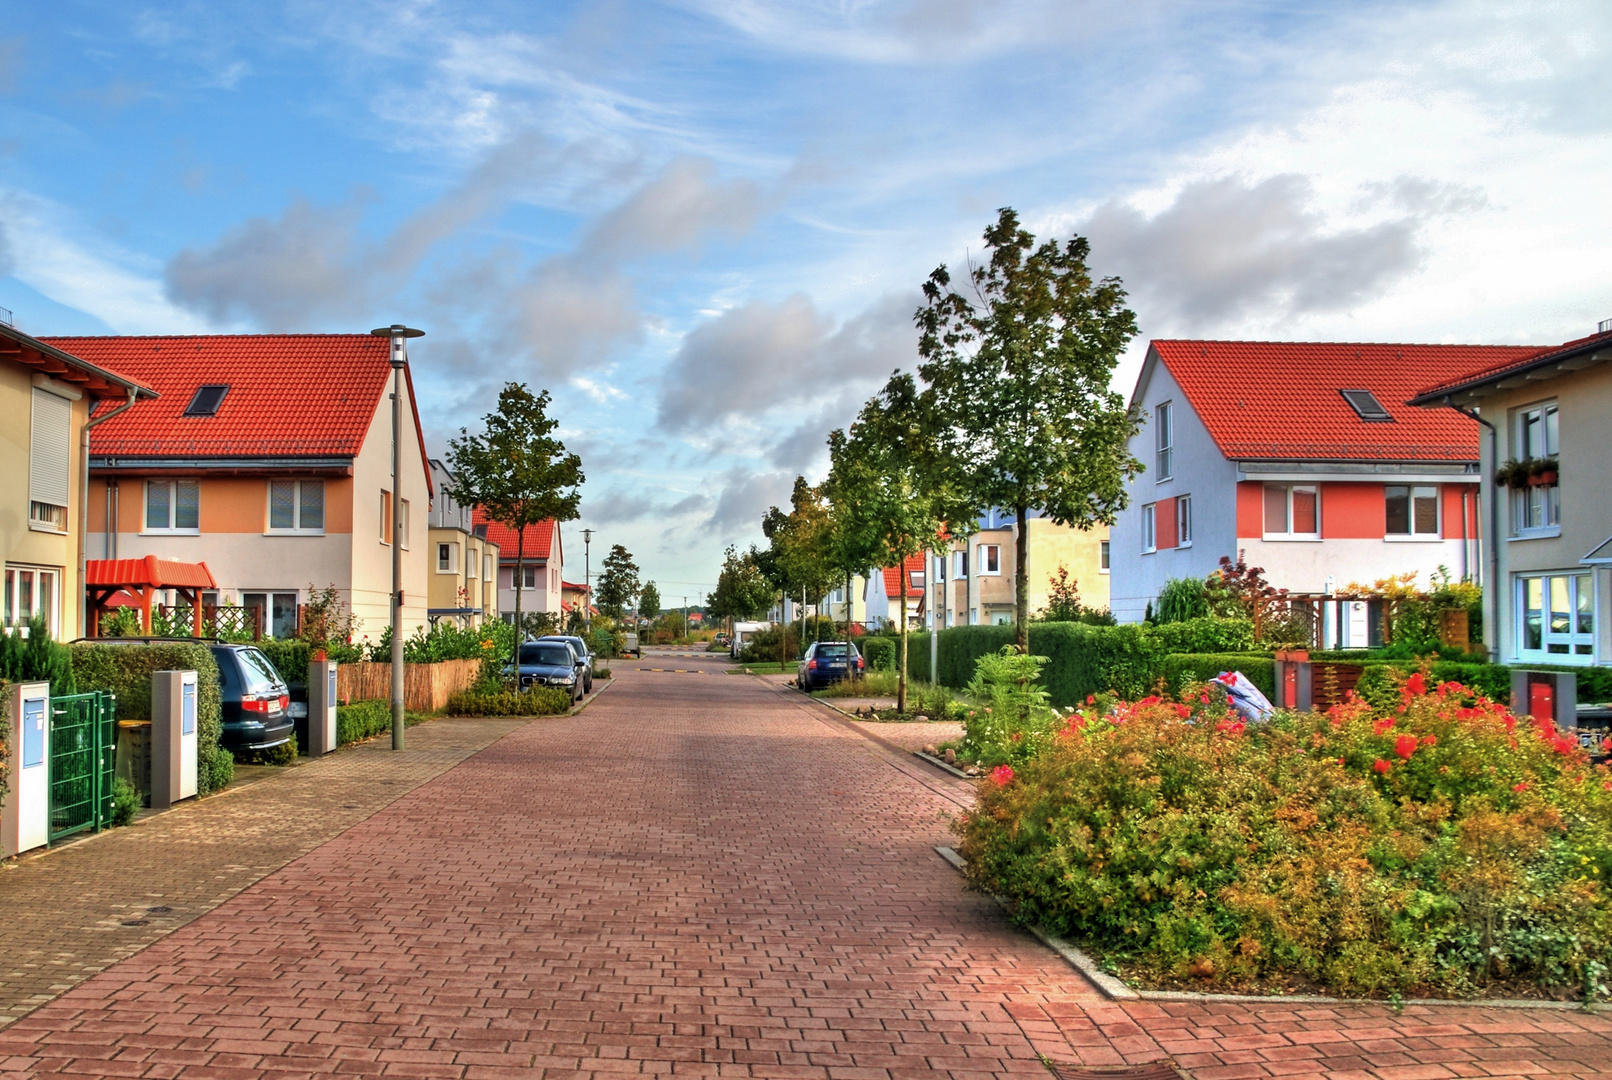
(701, 874)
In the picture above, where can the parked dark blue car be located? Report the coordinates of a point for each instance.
(550, 663)
(827, 662)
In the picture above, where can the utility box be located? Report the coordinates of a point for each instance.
(1545, 695)
(26, 822)
(321, 707)
(173, 737)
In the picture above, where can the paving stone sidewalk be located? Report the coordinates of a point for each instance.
(68, 913)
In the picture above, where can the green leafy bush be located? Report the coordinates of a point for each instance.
(365, 719)
(36, 658)
(126, 671)
(126, 801)
(291, 657)
(1182, 599)
(1439, 845)
(1013, 719)
(1205, 635)
(535, 701)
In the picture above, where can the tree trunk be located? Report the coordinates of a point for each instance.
(1021, 580)
(520, 558)
(901, 680)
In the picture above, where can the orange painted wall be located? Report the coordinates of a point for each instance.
(227, 505)
(1351, 511)
(1164, 523)
(1251, 509)
(1451, 494)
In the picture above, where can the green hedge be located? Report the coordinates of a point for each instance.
(535, 701)
(1179, 669)
(363, 719)
(126, 671)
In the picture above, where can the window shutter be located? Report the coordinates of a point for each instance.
(50, 449)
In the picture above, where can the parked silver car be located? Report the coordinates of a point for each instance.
(584, 665)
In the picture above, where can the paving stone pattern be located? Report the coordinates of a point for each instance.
(694, 877)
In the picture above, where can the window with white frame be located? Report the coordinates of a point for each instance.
(173, 506)
(447, 560)
(915, 580)
(960, 564)
(405, 516)
(386, 517)
(528, 576)
(50, 449)
(1150, 533)
(1183, 521)
(32, 591)
(1411, 511)
(1102, 557)
(990, 559)
(297, 506)
(1292, 512)
(487, 567)
(1164, 435)
(1556, 617)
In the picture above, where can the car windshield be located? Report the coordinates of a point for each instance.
(833, 652)
(258, 674)
(551, 655)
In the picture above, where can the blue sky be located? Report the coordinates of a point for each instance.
(702, 224)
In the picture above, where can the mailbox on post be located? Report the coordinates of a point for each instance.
(321, 707)
(173, 737)
(26, 822)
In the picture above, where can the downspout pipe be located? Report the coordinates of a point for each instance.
(1492, 587)
(84, 507)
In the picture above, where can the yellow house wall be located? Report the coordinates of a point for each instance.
(20, 543)
(372, 560)
(1052, 545)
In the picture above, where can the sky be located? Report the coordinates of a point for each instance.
(701, 225)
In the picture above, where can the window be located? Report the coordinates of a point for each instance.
(31, 591)
(1366, 406)
(297, 506)
(528, 576)
(405, 516)
(1412, 511)
(279, 612)
(1165, 436)
(960, 564)
(1537, 431)
(990, 558)
(50, 448)
(1537, 509)
(1150, 537)
(486, 568)
(1557, 617)
(1183, 521)
(206, 400)
(446, 563)
(173, 506)
(915, 580)
(1292, 512)
(1102, 557)
(386, 517)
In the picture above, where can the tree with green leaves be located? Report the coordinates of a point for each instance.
(517, 472)
(894, 489)
(649, 601)
(1020, 367)
(742, 592)
(801, 546)
(618, 584)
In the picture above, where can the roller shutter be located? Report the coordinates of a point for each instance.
(50, 449)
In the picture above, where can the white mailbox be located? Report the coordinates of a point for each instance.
(321, 707)
(173, 737)
(26, 821)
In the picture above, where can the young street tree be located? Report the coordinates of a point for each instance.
(893, 492)
(619, 582)
(649, 601)
(742, 592)
(801, 546)
(517, 472)
(1020, 371)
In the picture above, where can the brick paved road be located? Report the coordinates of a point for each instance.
(697, 876)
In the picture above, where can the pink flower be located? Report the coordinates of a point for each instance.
(1416, 684)
(1183, 711)
(1091, 699)
(1002, 775)
(1381, 766)
(1431, 740)
(1520, 788)
(1381, 726)
(1405, 746)
(1204, 698)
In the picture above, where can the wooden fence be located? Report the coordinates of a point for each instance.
(426, 687)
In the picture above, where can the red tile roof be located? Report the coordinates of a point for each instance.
(539, 537)
(892, 577)
(149, 571)
(290, 395)
(1279, 400)
(1506, 366)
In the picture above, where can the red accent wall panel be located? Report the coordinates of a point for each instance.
(1352, 511)
(1451, 494)
(1250, 510)
(1164, 523)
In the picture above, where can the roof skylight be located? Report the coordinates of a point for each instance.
(207, 400)
(1366, 406)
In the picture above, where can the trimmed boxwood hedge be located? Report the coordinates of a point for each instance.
(1179, 669)
(534, 701)
(362, 719)
(126, 671)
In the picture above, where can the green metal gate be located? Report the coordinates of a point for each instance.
(83, 753)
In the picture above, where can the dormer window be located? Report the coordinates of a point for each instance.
(207, 400)
(1366, 406)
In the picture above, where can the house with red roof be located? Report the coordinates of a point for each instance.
(464, 564)
(541, 558)
(268, 457)
(884, 593)
(1306, 458)
(47, 396)
(1546, 456)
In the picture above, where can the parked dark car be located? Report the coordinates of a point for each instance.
(257, 702)
(827, 662)
(550, 663)
(584, 658)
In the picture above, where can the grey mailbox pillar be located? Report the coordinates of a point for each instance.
(26, 820)
(173, 737)
(321, 707)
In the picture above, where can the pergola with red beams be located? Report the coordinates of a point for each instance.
(141, 578)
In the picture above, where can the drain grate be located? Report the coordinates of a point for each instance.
(1157, 1070)
(134, 922)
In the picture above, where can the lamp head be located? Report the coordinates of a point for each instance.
(397, 333)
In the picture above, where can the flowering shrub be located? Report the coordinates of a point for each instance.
(1442, 844)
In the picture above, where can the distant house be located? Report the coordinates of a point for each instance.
(1305, 457)
(46, 397)
(975, 581)
(1552, 513)
(542, 559)
(268, 456)
(464, 564)
(883, 595)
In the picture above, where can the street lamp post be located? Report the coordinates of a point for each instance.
(587, 581)
(398, 334)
